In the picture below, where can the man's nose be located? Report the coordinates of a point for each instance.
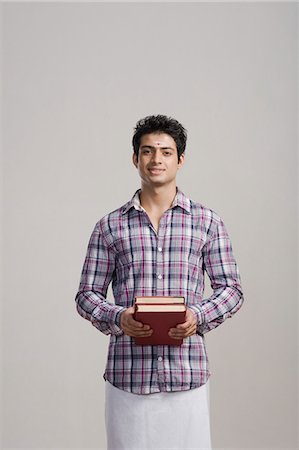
(156, 157)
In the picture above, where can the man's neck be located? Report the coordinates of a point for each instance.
(157, 198)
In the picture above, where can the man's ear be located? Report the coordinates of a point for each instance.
(134, 159)
(181, 160)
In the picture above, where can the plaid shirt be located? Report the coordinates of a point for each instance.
(125, 248)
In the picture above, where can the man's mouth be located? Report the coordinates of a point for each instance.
(156, 171)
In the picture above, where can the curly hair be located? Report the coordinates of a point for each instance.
(160, 124)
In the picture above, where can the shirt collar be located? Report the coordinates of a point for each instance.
(180, 200)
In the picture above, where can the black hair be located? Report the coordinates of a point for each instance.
(160, 124)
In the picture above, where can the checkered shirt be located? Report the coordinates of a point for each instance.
(125, 249)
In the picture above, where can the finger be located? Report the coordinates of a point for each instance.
(138, 333)
(138, 328)
(191, 321)
(177, 337)
(184, 325)
(132, 327)
(147, 334)
(142, 332)
(134, 324)
(178, 334)
(193, 330)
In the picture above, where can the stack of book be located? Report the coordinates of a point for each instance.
(161, 314)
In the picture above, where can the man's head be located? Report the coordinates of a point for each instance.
(159, 144)
(160, 124)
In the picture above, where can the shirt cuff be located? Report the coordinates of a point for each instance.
(118, 314)
(197, 309)
(109, 313)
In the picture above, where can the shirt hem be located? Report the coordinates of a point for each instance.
(156, 389)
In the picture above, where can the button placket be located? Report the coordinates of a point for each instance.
(152, 235)
(161, 380)
(161, 360)
(160, 256)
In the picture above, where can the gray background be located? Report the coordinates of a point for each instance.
(75, 80)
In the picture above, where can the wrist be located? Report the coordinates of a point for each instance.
(118, 317)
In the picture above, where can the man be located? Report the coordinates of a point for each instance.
(158, 243)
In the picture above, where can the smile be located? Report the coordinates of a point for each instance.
(156, 171)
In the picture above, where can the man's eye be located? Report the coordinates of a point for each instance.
(167, 153)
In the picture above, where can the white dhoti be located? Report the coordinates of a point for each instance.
(163, 420)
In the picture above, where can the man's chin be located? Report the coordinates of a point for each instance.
(158, 182)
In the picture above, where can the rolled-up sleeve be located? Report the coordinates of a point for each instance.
(97, 273)
(222, 269)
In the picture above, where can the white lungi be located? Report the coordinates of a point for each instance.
(163, 420)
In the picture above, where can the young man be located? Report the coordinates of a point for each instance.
(158, 243)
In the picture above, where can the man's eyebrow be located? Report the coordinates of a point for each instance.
(152, 146)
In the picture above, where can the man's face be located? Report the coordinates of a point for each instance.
(158, 159)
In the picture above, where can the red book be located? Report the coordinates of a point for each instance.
(160, 317)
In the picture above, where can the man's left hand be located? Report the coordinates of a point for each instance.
(183, 330)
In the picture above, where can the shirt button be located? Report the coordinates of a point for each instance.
(227, 315)
(160, 249)
(160, 358)
(160, 276)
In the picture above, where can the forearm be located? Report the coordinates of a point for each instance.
(220, 265)
(103, 315)
(222, 304)
(96, 275)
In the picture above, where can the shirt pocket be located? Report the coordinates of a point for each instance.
(123, 252)
(195, 259)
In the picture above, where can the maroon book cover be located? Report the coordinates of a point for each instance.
(160, 322)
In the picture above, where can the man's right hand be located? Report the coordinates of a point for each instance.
(131, 327)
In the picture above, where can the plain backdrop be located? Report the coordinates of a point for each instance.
(76, 77)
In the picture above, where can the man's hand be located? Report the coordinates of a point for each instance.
(185, 329)
(131, 327)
